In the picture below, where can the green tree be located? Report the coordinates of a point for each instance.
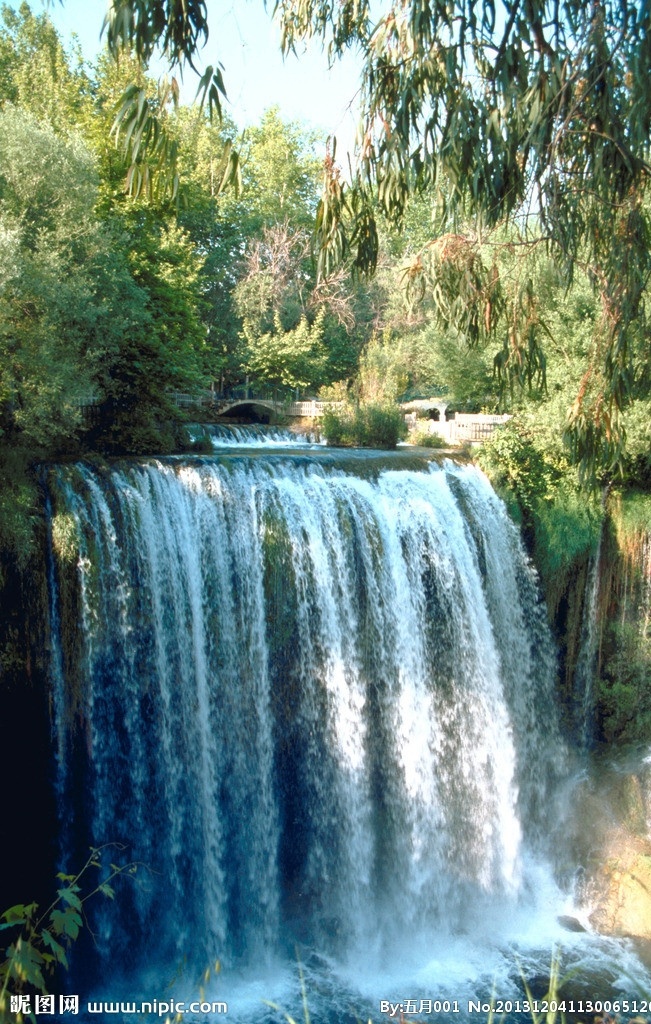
(49, 238)
(294, 358)
(67, 303)
(280, 173)
(218, 226)
(37, 74)
(554, 118)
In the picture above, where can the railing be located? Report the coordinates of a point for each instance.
(310, 410)
(470, 427)
(477, 427)
(461, 427)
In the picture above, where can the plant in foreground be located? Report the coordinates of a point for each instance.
(41, 941)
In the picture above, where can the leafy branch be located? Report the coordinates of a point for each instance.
(43, 940)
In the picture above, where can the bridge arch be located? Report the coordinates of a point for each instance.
(254, 410)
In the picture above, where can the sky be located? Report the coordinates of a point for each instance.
(247, 43)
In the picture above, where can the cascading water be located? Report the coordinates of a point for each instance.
(315, 699)
(586, 666)
(253, 435)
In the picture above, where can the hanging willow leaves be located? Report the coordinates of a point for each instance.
(176, 29)
(465, 291)
(535, 110)
(142, 127)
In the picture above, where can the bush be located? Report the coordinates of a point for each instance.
(376, 425)
(625, 684)
(561, 524)
(425, 439)
(337, 427)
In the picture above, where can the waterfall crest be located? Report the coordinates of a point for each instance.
(312, 703)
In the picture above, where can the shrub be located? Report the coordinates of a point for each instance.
(425, 439)
(338, 428)
(376, 425)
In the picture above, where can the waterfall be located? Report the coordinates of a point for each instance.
(586, 666)
(253, 435)
(314, 700)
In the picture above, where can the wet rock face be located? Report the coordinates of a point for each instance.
(615, 806)
(622, 888)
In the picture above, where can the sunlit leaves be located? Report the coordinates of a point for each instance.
(330, 233)
(144, 130)
(504, 109)
(338, 25)
(465, 291)
(292, 359)
(177, 29)
(211, 89)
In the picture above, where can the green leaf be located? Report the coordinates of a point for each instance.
(69, 896)
(57, 949)
(25, 964)
(66, 922)
(19, 914)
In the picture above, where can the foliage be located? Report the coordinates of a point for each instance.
(19, 514)
(555, 115)
(280, 173)
(175, 29)
(637, 457)
(554, 119)
(374, 425)
(36, 73)
(276, 281)
(624, 685)
(49, 318)
(427, 439)
(527, 464)
(381, 377)
(630, 513)
(293, 359)
(40, 941)
(466, 379)
(624, 693)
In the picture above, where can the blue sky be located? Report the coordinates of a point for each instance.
(246, 42)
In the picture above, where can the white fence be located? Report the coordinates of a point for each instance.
(310, 410)
(467, 427)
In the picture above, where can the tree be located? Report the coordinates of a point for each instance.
(293, 358)
(535, 110)
(36, 73)
(280, 173)
(47, 321)
(67, 304)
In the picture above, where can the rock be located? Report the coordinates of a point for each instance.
(622, 889)
(610, 839)
(570, 924)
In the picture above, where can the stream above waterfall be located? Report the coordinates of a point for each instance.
(313, 695)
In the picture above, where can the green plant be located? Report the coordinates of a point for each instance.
(376, 425)
(425, 439)
(551, 999)
(625, 684)
(40, 941)
(530, 470)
